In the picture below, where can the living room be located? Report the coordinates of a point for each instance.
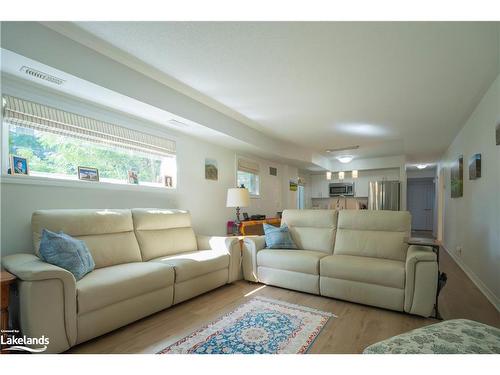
(186, 187)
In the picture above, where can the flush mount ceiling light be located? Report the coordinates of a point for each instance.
(421, 166)
(344, 158)
(328, 175)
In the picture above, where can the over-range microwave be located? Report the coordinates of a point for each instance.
(342, 188)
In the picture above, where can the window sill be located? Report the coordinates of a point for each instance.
(45, 181)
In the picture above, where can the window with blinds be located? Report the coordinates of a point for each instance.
(248, 175)
(56, 143)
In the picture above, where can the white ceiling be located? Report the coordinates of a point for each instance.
(392, 88)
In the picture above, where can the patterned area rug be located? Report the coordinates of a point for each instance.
(260, 326)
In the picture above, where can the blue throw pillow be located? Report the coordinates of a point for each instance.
(66, 252)
(278, 238)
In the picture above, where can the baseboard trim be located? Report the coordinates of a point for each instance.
(494, 300)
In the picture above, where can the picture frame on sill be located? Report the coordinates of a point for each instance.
(88, 174)
(132, 177)
(169, 182)
(19, 166)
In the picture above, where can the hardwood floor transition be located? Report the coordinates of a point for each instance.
(355, 327)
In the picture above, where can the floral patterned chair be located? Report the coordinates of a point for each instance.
(458, 336)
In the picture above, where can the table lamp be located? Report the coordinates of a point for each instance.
(238, 197)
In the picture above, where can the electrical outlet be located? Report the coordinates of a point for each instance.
(459, 250)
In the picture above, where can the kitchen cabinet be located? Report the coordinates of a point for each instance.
(319, 186)
(361, 186)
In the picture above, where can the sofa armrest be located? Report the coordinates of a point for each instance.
(29, 267)
(229, 245)
(421, 280)
(47, 300)
(251, 246)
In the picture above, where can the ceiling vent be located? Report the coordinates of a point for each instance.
(179, 124)
(342, 149)
(41, 75)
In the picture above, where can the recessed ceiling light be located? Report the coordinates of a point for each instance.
(421, 166)
(345, 158)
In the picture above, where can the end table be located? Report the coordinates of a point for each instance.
(6, 279)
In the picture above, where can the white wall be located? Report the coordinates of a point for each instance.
(472, 222)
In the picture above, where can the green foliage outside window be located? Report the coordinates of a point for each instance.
(51, 153)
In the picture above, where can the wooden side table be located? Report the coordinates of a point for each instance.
(6, 279)
(255, 227)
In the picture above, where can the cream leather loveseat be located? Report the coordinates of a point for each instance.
(146, 260)
(359, 256)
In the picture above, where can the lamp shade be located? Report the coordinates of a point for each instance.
(355, 173)
(341, 175)
(238, 197)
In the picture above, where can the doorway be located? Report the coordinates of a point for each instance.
(421, 194)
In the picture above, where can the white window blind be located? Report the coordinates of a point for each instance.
(24, 113)
(249, 166)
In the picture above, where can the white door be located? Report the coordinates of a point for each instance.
(300, 197)
(420, 202)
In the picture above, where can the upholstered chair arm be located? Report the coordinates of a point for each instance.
(230, 245)
(421, 280)
(251, 246)
(47, 300)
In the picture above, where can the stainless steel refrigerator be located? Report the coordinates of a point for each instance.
(384, 195)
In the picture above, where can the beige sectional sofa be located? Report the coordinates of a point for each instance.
(146, 260)
(359, 256)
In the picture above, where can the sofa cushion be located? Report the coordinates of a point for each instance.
(312, 229)
(109, 234)
(305, 261)
(163, 232)
(192, 264)
(377, 271)
(376, 234)
(109, 285)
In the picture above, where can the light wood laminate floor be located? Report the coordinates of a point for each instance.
(355, 327)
